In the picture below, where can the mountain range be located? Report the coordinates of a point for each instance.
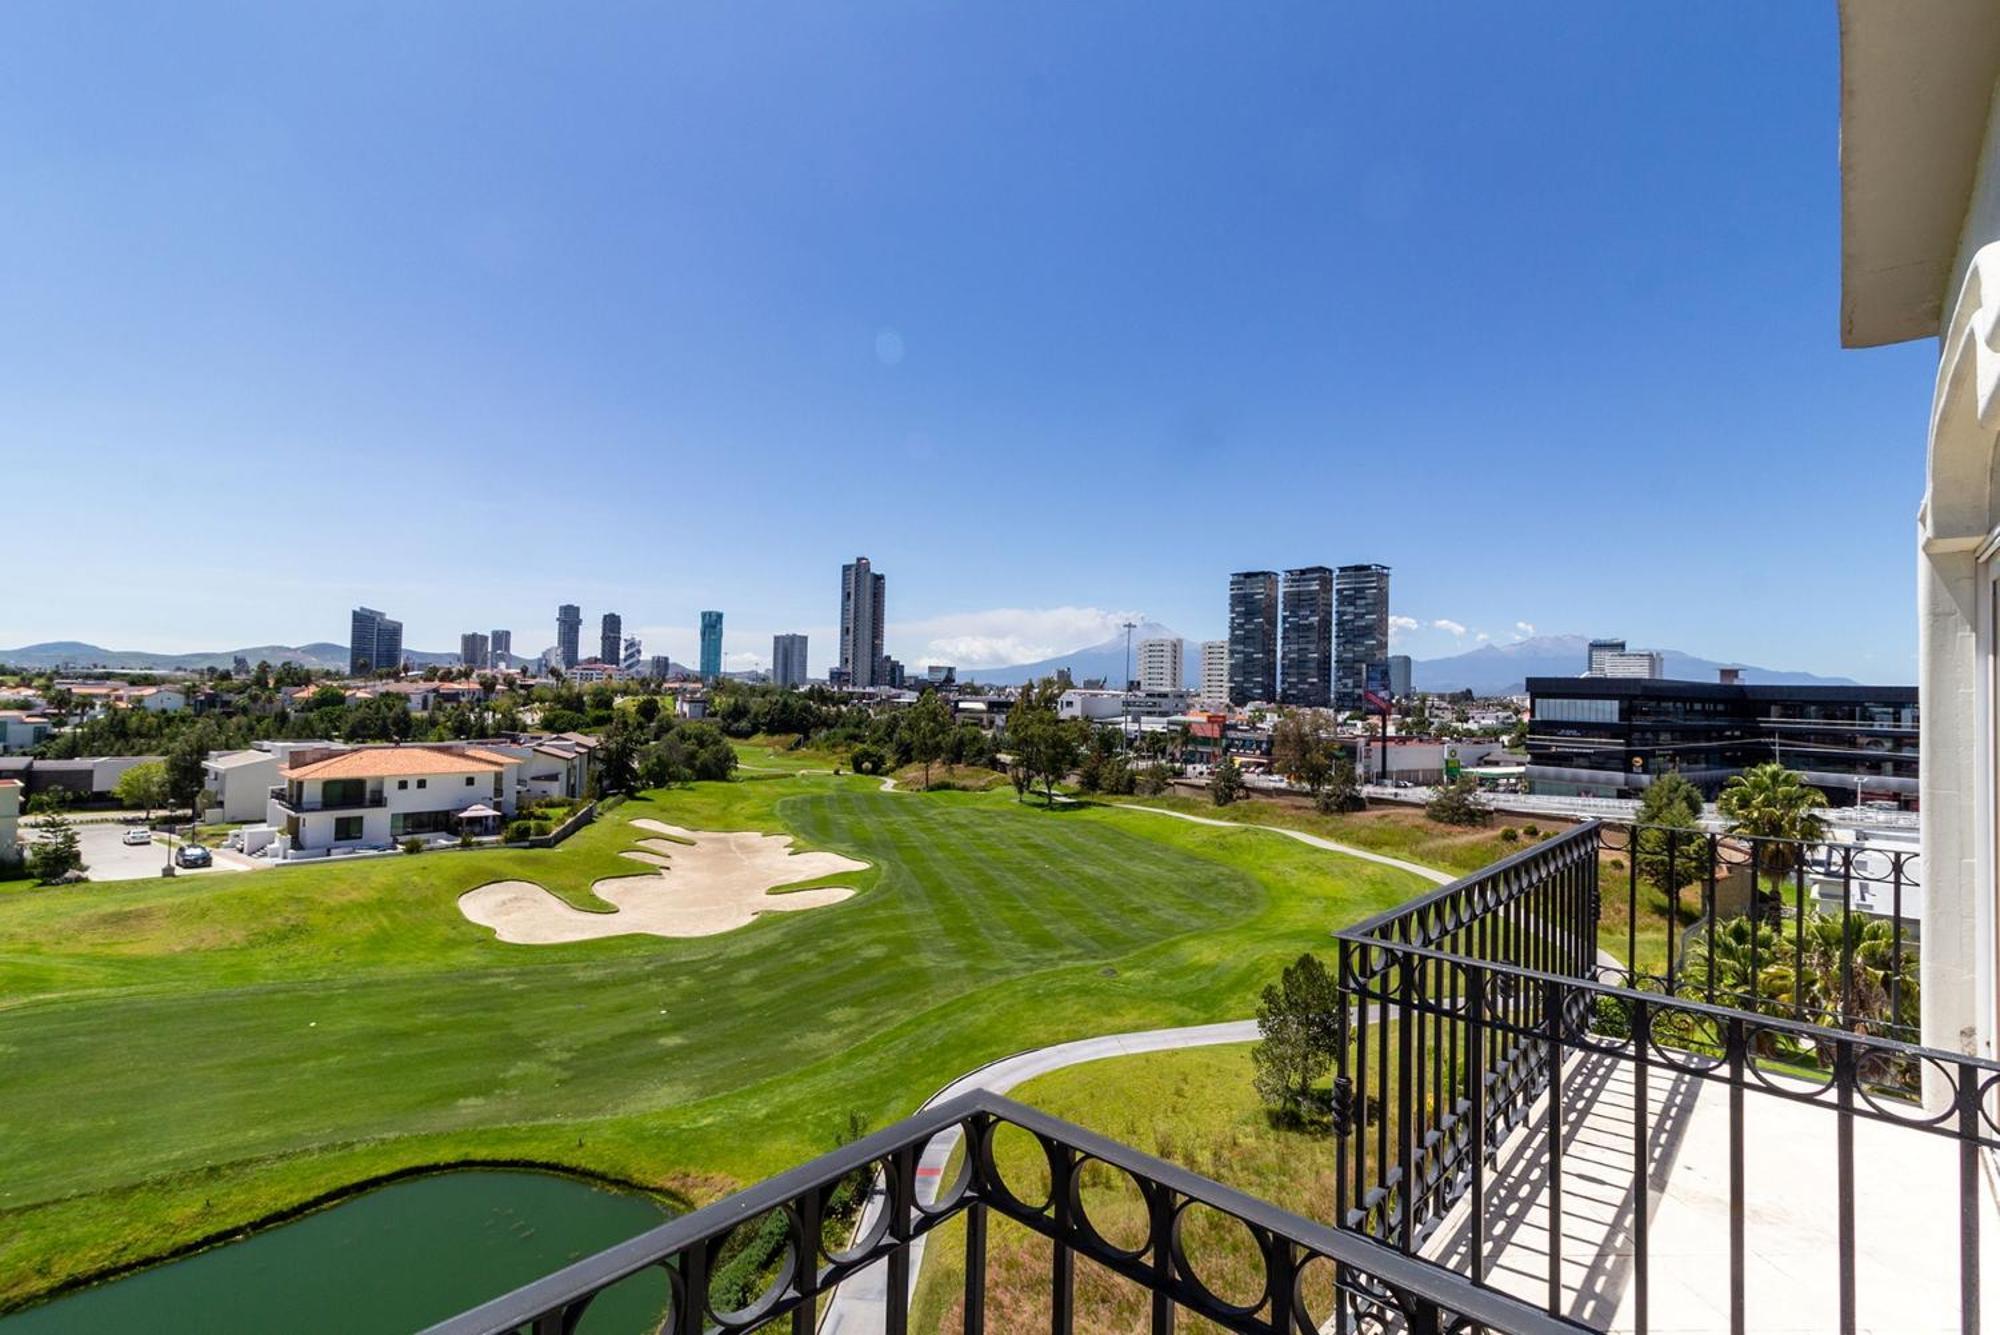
(75, 654)
(1492, 669)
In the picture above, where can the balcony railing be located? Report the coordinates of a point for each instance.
(281, 796)
(1311, 1271)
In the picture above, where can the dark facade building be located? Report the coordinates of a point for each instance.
(1361, 630)
(863, 598)
(1305, 669)
(569, 633)
(788, 660)
(374, 643)
(1253, 636)
(1610, 737)
(610, 638)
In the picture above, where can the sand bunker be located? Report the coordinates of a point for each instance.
(707, 882)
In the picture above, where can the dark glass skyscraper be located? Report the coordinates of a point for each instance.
(862, 598)
(711, 645)
(788, 660)
(1361, 629)
(374, 642)
(1305, 673)
(1253, 636)
(610, 638)
(569, 632)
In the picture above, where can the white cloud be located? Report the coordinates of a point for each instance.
(1525, 627)
(1449, 626)
(1404, 623)
(1482, 637)
(1004, 635)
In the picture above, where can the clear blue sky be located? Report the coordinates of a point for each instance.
(1057, 311)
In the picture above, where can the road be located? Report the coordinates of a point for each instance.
(106, 857)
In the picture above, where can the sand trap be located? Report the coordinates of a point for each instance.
(708, 881)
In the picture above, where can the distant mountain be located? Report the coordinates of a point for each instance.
(76, 654)
(1106, 660)
(1503, 669)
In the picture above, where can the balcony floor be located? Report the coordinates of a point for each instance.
(1906, 1212)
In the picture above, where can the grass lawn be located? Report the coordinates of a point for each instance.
(182, 1058)
(1195, 1108)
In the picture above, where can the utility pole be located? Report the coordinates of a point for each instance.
(1126, 686)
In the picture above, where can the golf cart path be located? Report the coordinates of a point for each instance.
(1414, 868)
(859, 1305)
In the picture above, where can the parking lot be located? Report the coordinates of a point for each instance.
(106, 857)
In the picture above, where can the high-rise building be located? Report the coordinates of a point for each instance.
(788, 660)
(569, 634)
(1399, 675)
(1305, 655)
(1632, 664)
(632, 657)
(610, 637)
(1253, 636)
(1215, 672)
(1360, 629)
(501, 648)
(1162, 665)
(374, 643)
(862, 599)
(944, 674)
(711, 645)
(475, 651)
(660, 667)
(1599, 651)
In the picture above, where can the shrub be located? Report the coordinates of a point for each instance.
(541, 827)
(868, 760)
(1152, 780)
(1532, 831)
(413, 845)
(520, 831)
(1457, 803)
(1510, 835)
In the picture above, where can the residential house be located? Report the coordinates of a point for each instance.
(21, 730)
(375, 796)
(238, 784)
(10, 822)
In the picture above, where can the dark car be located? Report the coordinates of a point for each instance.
(192, 855)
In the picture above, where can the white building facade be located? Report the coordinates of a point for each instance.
(1215, 673)
(1161, 664)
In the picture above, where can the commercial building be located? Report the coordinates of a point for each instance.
(610, 636)
(1305, 670)
(1636, 664)
(1253, 636)
(1101, 706)
(1399, 675)
(863, 597)
(1161, 664)
(1215, 672)
(569, 635)
(1611, 736)
(660, 667)
(635, 654)
(374, 643)
(788, 660)
(943, 674)
(500, 649)
(711, 645)
(1361, 630)
(1598, 651)
(475, 651)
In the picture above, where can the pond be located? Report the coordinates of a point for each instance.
(393, 1259)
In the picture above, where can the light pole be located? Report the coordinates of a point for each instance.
(1126, 692)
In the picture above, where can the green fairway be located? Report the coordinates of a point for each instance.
(182, 1058)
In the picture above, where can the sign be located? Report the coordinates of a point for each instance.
(1375, 688)
(1452, 769)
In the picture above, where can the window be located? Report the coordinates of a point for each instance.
(346, 828)
(1576, 711)
(470, 780)
(423, 783)
(402, 783)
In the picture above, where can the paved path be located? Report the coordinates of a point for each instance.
(1414, 868)
(859, 1304)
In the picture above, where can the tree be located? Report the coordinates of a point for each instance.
(1303, 747)
(927, 729)
(867, 759)
(1771, 802)
(1343, 789)
(57, 852)
(143, 786)
(1225, 782)
(1298, 1023)
(1045, 749)
(185, 772)
(618, 759)
(1669, 846)
(1457, 803)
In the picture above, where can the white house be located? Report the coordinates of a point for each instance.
(376, 796)
(21, 729)
(10, 822)
(239, 785)
(1920, 259)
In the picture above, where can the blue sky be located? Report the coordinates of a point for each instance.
(1058, 312)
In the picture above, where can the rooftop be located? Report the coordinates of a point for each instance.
(397, 761)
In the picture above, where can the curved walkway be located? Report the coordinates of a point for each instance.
(1414, 868)
(860, 1304)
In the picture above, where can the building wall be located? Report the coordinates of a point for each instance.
(788, 660)
(1305, 674)
(1162, 665)
(10, 823)
(241, 792)
(1253, 636)
(1215, 672)
(1361, 630)
(569, 634)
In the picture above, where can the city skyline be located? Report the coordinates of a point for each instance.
(1651, 318)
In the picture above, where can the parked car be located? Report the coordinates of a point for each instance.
(139, 836)
(192, 855)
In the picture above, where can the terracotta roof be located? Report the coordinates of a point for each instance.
(492, 757)
(390, 762)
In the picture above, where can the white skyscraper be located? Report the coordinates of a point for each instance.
(1160, 665)
(1215, 672)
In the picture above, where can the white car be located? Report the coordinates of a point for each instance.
(139, 836)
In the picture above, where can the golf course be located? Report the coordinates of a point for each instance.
(183, 1059)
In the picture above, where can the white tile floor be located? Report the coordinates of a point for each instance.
(1906, 1196)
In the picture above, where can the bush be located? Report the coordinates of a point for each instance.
(1152, 780)
(520, 831)
(1532, 831)
(1510, 835)
(541, 827)
(413, 845)
(1457, 803)
(867, 759)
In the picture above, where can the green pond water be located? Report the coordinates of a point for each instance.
(395, 1259)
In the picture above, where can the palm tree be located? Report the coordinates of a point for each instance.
(1770, 802)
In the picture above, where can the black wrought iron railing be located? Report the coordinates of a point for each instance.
(1313, 1275)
